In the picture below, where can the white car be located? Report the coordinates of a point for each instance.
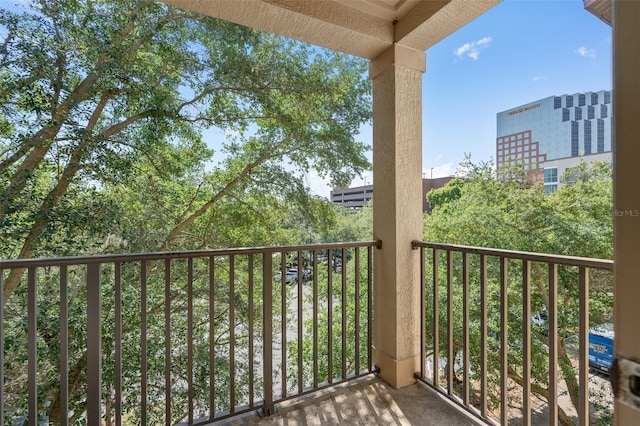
(291, 275)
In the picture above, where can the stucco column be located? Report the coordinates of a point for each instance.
(397, 211)
(626, 158)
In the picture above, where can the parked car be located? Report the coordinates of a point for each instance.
(601, 347)
(292, 275)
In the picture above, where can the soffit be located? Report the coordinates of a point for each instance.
(600, 8)
(363, 28)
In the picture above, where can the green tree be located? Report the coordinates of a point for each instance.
(90, 88)
(450, 192)
(105, 109)
(510, 212)
(351, 225)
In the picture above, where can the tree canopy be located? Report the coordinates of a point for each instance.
(488, 211)
(133, 126)
(508, 211)
(111, 111)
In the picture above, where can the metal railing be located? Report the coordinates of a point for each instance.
(486, 312)
(181, 337)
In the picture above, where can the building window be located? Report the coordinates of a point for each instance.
(587, 137)
(600, 135)
(578, 113)
(582, 99)
(594, 98)
(565, 115)
(569, 101)
(574, 139)
(591, 112)
(550, 179)
(557, 102)
(551, 175)
(607, 97)
(603, 111)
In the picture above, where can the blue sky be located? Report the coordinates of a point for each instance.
(517, 52)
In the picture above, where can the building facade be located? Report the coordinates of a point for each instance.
(357, 197)
(541, 133)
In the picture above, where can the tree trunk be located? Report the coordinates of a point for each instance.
(50, 201)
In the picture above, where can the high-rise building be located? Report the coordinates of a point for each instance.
(549, 135)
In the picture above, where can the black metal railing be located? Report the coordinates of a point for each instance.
(181, 337)
(486, 312)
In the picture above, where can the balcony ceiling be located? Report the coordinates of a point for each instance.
(600, 8)
(363, 28)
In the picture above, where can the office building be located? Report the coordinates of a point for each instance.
(549, 135)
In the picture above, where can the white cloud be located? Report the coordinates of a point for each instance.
(460, 50)
(539, 78)
(443, 170)
(472, 49)
(586, 52)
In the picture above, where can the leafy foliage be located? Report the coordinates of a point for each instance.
(512, 213)
(110, 114)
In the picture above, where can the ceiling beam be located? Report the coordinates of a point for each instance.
(343, 25)
(322, 23)
(431, 21)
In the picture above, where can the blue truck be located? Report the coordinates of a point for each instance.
(601, 347)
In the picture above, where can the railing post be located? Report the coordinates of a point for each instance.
(504, 343)
(423, 330)
(583, 330)
(64, 348)
(267, 332)
(526, 343)
(94, 345)
(1, 344)
(436, 320)
(553, 342)
(32, 345)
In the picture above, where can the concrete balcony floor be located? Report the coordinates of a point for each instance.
(368, 401)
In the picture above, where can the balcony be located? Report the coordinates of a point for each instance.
(208, 336)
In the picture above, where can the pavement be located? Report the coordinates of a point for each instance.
(367, 401)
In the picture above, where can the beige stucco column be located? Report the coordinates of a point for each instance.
(626, 158)
(397, 210)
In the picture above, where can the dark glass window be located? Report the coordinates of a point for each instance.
(557, 102)
(591, 112)
(565, 114)
(603, 111)
(574, 139)
(578, 113)
(569, 101)
(607, 97)
(594, 98)
(600, 135)
(582, 99)
(587, 137)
